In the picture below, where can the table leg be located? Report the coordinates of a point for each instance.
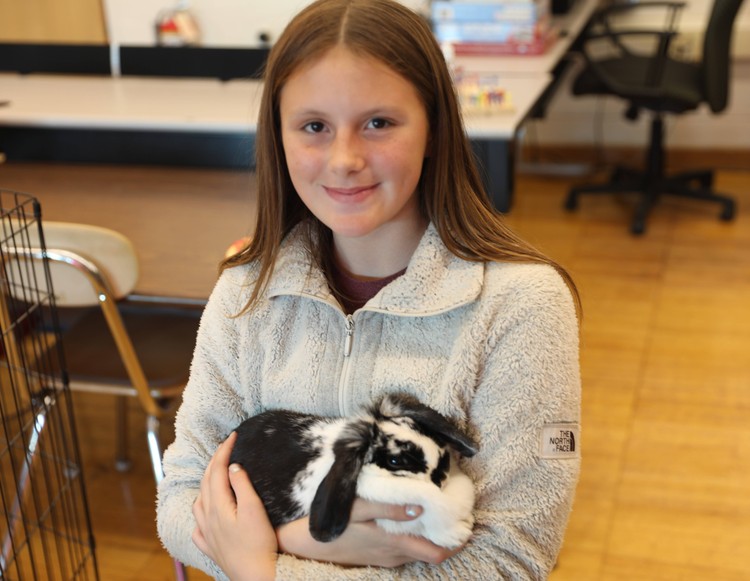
(496, 164)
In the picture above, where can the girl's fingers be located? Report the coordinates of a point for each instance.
(215, 483)
(199, 541)
(364, 510)
(240, 482)
(214, 479)
(247, 498)
(198, 509)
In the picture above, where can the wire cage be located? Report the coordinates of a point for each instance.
(45, 528)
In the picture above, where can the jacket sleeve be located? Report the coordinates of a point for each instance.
(212, 407)
(529, 380)
(528, 392)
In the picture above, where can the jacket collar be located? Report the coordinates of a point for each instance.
(435, 280)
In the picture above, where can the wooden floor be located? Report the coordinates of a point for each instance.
(665, 362)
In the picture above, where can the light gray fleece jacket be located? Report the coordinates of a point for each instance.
(493, 345)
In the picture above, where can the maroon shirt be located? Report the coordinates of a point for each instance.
(355, 292)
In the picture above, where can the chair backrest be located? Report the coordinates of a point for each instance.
(107, 252)
(717, 43)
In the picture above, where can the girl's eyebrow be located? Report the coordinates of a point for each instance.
(306, 113)
(373, 112)
(383, 110)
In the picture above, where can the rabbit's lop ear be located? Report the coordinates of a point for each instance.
(332, 506)
(435, 425)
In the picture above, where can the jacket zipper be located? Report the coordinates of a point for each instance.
(348, 340)
(349, 336)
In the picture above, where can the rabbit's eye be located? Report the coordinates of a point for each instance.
(403, 456)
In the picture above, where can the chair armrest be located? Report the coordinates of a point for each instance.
(651, 87)
(601, 19)
(662, 34)
(607, 11)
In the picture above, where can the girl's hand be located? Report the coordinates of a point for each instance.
(364, 542)
(232, 527)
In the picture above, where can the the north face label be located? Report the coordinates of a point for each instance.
(560, 441)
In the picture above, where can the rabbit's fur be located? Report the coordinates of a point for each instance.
(397, 451)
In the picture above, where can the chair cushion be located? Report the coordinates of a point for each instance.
(680, 88)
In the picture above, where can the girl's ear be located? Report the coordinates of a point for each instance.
(332, 506)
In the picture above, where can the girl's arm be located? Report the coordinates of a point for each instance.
(211, 408)
(363, 542)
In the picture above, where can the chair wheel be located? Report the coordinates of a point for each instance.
(123, 465)
(571, 202)
(638, 226)
(727, 213)
(707, 181)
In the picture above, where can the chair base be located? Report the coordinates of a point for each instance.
(695, 185)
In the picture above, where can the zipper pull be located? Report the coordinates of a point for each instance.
(349, 335)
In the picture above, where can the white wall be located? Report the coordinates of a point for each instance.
(600, 121)
(591, 120)
(239, 22)
(223, 23)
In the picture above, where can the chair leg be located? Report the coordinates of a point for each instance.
(154, 447)
(647, 201)
(705, 178)
(571, 202)
(122, 458)
(678, 187)
(653, 182)
(155, 452)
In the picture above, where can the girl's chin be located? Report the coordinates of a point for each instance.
(351, 230)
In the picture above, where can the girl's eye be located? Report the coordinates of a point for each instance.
(314, 127)
(378, 123)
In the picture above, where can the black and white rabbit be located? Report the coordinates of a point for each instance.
(397, 451)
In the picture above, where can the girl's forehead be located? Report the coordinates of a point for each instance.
(339, 55)
(340, 72)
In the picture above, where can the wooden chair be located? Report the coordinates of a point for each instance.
(112, 343)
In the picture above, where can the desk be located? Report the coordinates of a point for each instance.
(130, 103)
(197, 121)
(527, 75)
(211, 122)
(569, 27)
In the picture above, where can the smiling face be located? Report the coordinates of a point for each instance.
(355, 136)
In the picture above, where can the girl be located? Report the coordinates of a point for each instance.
(377, 264)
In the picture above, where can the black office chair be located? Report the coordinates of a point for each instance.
(656, 81)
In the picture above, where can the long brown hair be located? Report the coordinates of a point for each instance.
(451, 195)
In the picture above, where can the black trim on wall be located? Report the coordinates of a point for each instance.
(74, 59)
(159, 61)
(164, 61)
(200, 149)
(116, 146)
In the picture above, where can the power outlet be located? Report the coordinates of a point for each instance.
(741, 41)
(687, 45)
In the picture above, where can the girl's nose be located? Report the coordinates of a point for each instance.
(346, 153)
